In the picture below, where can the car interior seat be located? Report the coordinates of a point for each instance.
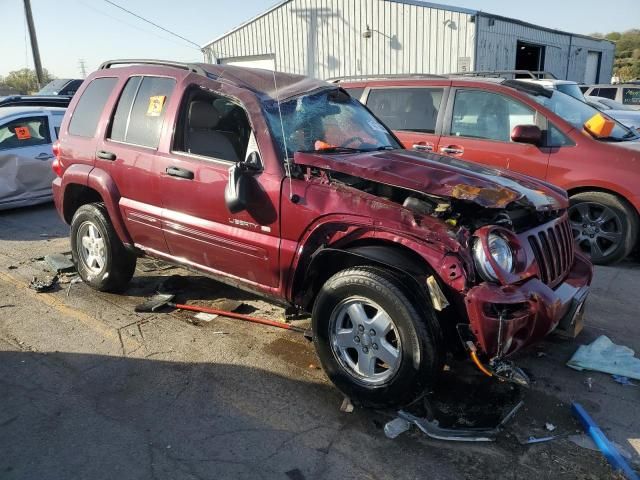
(201, 136)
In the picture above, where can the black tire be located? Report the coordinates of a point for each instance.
(118, 263)
(420, 358)
(605, 226)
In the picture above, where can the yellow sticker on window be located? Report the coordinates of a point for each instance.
(155, 105)
(23, 133)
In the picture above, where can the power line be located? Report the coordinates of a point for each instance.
(152, 23)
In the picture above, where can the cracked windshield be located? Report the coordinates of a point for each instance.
(327, 121)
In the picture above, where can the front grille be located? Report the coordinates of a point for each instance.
(553, 248)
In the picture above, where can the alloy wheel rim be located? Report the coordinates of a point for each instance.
(91, 247)
(365, 341)
(596, 228)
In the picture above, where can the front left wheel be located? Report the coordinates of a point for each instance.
(101, 259)
(375, 344)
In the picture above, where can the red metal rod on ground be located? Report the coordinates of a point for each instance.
(239, 316)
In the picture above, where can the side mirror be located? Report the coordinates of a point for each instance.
(236, 191)
(530, 134)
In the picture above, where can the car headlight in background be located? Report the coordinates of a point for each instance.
(500, 252)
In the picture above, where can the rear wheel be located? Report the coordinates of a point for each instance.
(102, 261)
(605, 226)
(372, 342)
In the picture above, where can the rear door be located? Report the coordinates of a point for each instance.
(128, 151)
(478, 128)
(411, 112)
(25, 159)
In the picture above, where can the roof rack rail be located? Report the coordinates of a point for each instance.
(534, 74)
(383, 76)
(192, 67)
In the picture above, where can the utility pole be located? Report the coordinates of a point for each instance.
(34, 42)
(83, 67)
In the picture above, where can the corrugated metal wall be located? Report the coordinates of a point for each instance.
(565, 54)
(324, 38)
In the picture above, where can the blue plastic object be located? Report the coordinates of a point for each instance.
(606, 447)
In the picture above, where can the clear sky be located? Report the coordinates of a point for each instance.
(93, 30)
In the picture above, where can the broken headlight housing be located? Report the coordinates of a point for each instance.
(501, 253)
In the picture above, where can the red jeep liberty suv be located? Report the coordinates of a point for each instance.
(288, 187)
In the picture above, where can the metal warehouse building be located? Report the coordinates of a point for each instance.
(337, 38)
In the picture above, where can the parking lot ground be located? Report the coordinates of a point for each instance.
(91, 389)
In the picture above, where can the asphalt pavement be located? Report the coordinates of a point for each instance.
(89, 389)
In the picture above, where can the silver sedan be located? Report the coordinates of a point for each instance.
(26, 137)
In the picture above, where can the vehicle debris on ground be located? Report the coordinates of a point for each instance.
(603, 355)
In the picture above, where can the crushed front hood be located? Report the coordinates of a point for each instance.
(442, 176)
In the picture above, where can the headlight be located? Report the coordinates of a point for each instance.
(500, 252)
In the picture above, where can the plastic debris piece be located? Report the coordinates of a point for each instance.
(623, 380)
(532, 440)
(607, 448)
(605, 356)
(59, 263)
(347, 406)
(550, 426)
(205, 317)
(396, 427)
(589, 383)
(72, 282)
(45, 285)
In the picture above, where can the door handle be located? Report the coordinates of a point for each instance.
(452, 150)
(180, 173)
(423, 147)
(104, 155)
(43, 156)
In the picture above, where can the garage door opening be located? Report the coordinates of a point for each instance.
(529, 57)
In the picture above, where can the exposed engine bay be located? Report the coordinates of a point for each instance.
(454, 212)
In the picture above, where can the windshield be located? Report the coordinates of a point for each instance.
(570, 89)
(329, 121)
(53, 87)
(577, 113)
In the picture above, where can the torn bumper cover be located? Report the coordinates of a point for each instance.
(505, 318)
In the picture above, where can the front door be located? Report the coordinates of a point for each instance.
(212, 134)
(411, 112)
(25, 159)
(480, 131)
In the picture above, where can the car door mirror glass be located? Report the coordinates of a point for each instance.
(530, 134)
(236, 190)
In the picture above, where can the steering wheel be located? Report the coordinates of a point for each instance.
(351, 140)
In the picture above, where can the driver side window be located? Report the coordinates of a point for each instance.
(213, 126)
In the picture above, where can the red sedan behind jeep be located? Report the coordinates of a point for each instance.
(477, 120)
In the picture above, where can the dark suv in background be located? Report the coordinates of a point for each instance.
(288, 187)
(526, 128)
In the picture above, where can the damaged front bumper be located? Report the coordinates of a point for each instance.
(505, 318)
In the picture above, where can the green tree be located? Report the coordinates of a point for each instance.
(627, 56)
(25, 80)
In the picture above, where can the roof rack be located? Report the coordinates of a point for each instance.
(533, 74)
(383, 76)
(192, 67)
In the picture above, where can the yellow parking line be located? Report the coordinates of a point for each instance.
(52, 301)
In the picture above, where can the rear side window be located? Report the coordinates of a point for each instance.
(84, 120)
(411, 109)
(355, 92)
(631, 96)
(140, 112)
(607, 93)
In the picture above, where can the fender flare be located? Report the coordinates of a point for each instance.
(101, 182)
